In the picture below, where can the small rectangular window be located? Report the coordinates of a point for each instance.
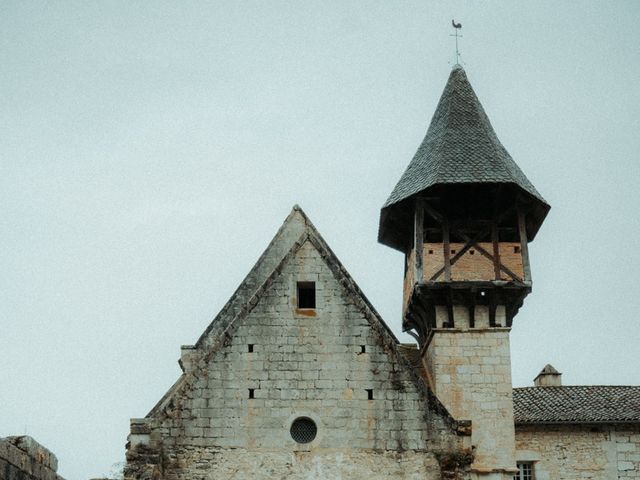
(250, 348)
(516, 249)
(525, 471)
(252, 392)
(369, 393)
(363, 349)
(306, 295)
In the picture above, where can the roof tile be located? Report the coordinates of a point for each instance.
(577, 404)
(460, 147)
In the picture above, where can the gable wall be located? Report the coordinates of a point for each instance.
(301, 366)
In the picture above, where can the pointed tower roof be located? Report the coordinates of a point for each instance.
(460, 147)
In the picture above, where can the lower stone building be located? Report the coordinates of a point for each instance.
(577, 432)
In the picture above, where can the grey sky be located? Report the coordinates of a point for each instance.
(150, 150)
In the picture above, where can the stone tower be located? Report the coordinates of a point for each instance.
(463, 214)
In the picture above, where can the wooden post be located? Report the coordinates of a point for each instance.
(418, 241)
(451, 321)
(496, 248)
(524, 245)
(446, 250)
(492, 311)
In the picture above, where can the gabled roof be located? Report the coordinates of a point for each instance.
(576, 404)
(296, 229)
(294, 232)
(460, 147)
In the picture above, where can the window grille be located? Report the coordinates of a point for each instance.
(303, 430)
(525, 471)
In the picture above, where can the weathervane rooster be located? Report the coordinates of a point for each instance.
(457, 26)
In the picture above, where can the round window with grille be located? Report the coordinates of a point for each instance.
(303, 430)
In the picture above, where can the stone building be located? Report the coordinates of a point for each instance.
(577, 431)
(298, 376)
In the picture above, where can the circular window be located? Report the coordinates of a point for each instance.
(303, 430)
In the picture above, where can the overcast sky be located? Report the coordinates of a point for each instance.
(149, 151)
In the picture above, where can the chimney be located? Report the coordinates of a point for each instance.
(548, 377)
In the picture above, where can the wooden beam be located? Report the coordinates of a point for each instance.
(496, 249)
(524, 245)
(447, 251)
(433, 213)
(473, 242)
(418, 241)
(482, 251)
(460, 253)
(492, 310)
(451, 323)
(472, 315)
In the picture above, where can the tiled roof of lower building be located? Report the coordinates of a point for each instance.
(577, 404)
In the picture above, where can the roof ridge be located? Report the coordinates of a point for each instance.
(578, 386)
(237, 296)
(442, 138)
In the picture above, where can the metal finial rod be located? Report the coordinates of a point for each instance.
(456, 26)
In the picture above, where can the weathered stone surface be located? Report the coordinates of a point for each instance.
(324, 364)
(471, 372)
(22, 458)
(598, 452)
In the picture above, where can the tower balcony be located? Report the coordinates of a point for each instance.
(484, 286)
(479, 263)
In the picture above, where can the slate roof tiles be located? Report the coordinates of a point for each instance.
(577, 404)
(460, 147)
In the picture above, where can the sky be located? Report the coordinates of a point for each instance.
(149, 151)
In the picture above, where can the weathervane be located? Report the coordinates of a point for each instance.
(456, 26)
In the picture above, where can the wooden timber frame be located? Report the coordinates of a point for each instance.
(440, 290)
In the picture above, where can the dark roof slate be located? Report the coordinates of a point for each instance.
(460, 147)
(577, 404)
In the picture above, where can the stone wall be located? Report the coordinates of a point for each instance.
(596, 452)
(471, 372)
(333, 364)
(22, 458)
